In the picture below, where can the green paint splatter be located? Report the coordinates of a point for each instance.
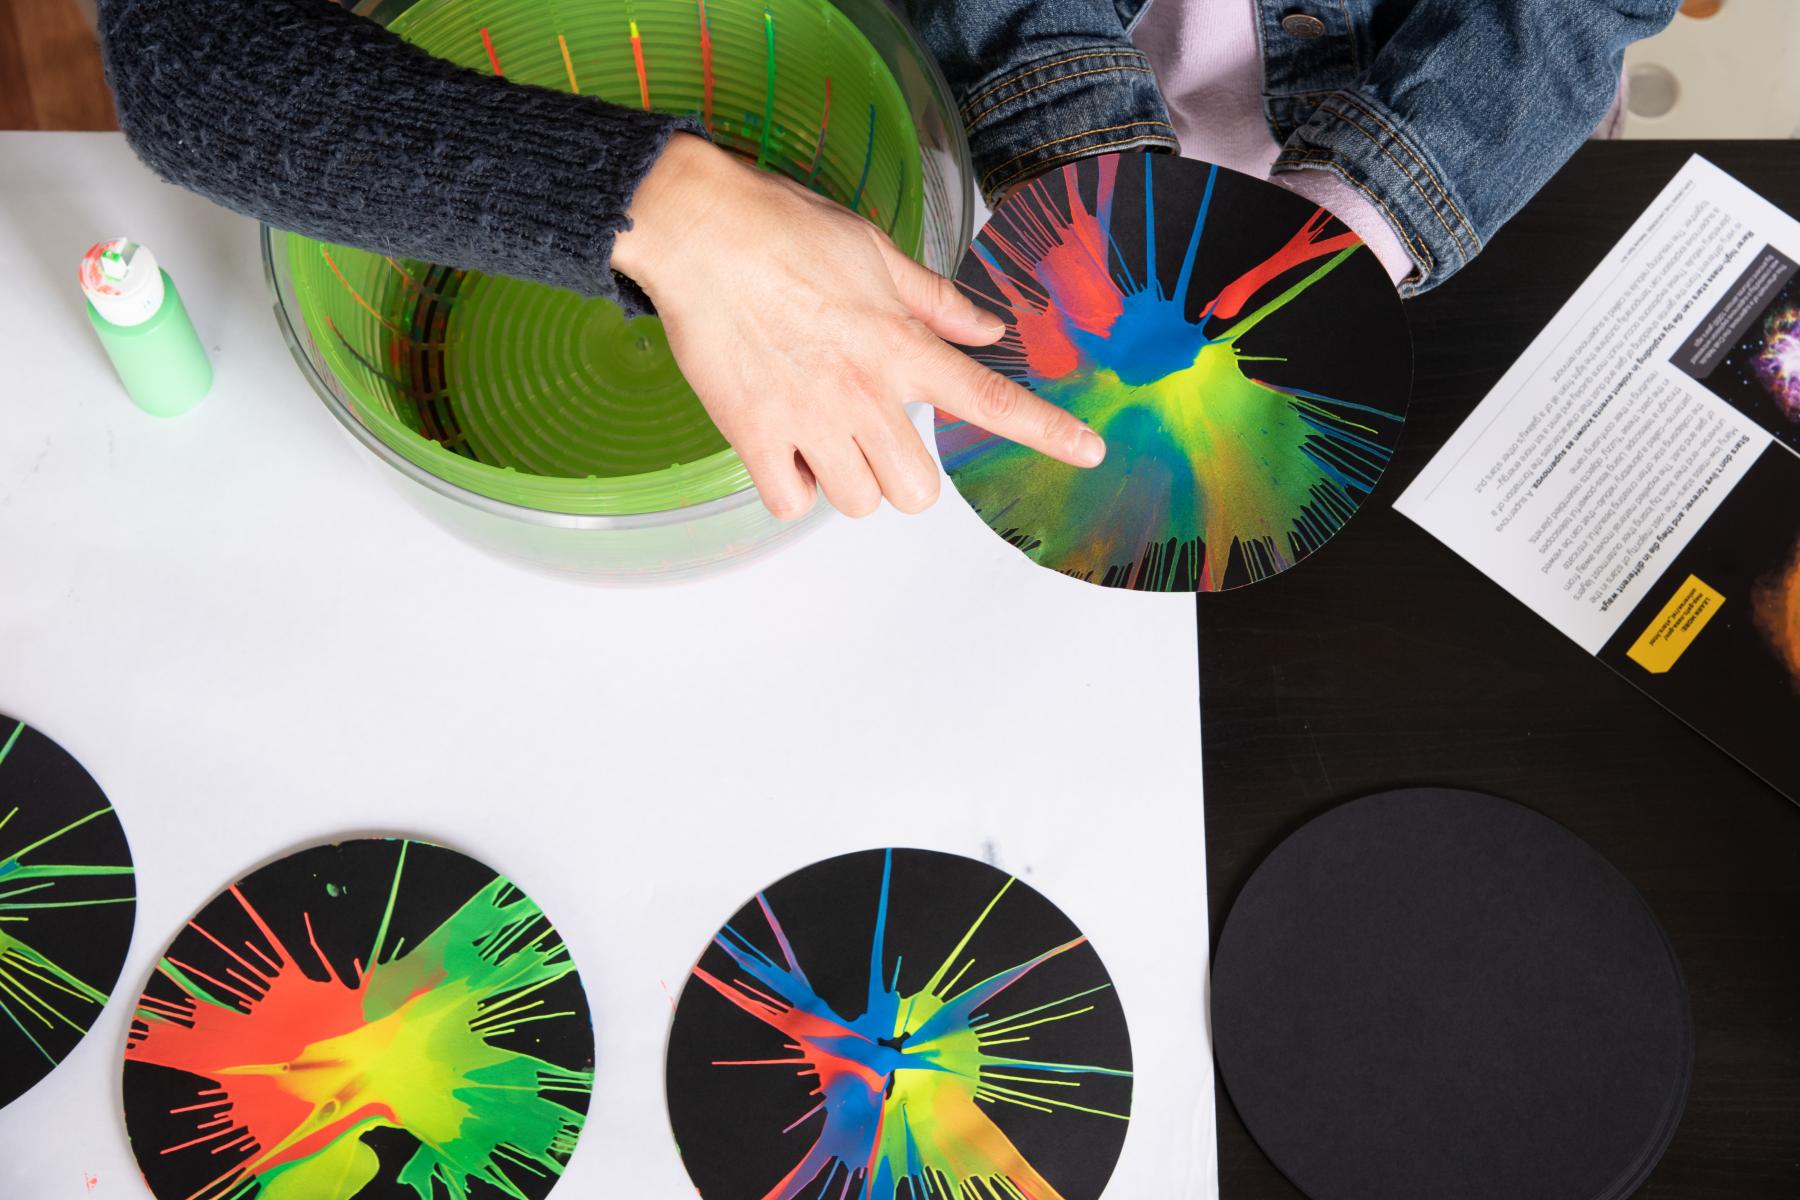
(37, 995)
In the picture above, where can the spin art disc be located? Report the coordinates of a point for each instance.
(1433, 993)
(67, 900)
(379, 1018)
(899, 1023)
(1242, 353)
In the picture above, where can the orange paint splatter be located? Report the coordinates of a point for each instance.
(1777, 606)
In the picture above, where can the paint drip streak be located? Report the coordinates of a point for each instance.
(643, 74)
(706, 67)
(568, 66)
(768, 118)
(868, 162)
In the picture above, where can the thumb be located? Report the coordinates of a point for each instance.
(938, 303)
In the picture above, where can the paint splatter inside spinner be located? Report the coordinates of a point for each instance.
(895, 1025)
(1244, 356)
(379, 1017)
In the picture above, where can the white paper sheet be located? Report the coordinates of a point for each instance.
(1595, 460)
(254, 645)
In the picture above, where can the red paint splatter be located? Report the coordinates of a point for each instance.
(637, 54)
(1069, 262)
(1302, 247)
(292, 1011)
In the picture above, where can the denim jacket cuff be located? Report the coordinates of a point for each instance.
(1080, 100)
(1355, 137)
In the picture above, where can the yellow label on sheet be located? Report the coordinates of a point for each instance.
(1676, 626)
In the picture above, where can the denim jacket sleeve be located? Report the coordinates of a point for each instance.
(1044, 83)
(1463, 113)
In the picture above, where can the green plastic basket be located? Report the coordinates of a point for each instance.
(534, 404)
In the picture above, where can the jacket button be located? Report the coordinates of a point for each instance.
(1303, 26)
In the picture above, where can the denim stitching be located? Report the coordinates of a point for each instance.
(998, 187)
(988, 185)
(1443, 193)
(1324, 158)
(1455, 241)
(1001, 103)
(1071, 137)
(1429, 174)
(1026, 72)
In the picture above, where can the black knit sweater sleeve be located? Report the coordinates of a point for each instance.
(304, 115)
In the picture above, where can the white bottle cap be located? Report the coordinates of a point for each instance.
(122, 281)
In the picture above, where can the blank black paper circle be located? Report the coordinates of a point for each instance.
(67, 901)
(1431, 993)
(744, 1096)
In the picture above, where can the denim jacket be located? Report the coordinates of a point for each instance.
(1447, 114)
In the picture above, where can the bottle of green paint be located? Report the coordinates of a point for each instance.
(145, 328)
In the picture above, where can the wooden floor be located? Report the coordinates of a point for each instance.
(50, 75)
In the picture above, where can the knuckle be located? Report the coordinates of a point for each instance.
(856, 380)
(898, 335)
(996, 399)
(860, 501)
(784, 508)
(944, 296)
(1060, 429)
(915, 495)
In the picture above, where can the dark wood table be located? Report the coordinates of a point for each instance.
(1387, 661)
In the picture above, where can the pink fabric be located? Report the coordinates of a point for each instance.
(1209, 65)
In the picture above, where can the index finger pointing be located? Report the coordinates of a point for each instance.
(964, 388)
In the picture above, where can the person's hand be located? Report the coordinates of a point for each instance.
(805, 332)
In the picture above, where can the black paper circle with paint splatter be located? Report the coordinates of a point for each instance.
(379, 1019)
(1242, 353)
(908, 1022)
(67, 902)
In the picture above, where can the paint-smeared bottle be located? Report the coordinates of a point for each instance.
(145, 328)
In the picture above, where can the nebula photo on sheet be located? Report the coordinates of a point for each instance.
(1777, 606)
(1241, 352)
(379, 1018)
(899, 1025)
(1760, 373)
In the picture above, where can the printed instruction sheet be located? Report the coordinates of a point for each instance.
(1635, 477)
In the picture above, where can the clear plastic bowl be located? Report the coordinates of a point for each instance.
(544, 427)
